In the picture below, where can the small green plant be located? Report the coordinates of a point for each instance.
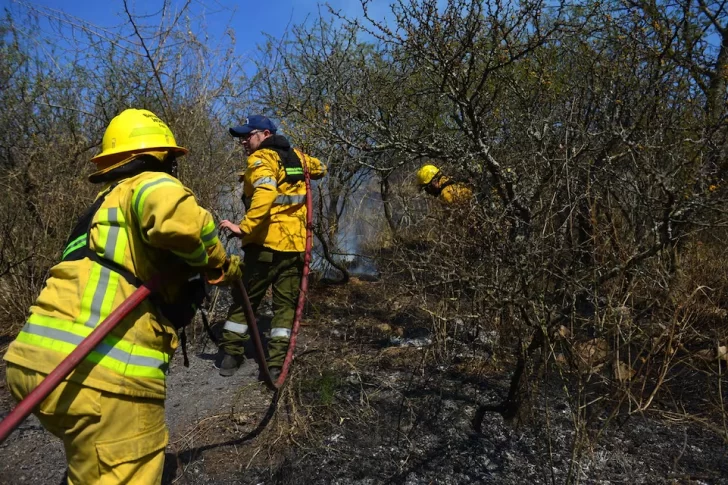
(322, 388)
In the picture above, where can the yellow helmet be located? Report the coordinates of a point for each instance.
(426, 174)
(135, 130)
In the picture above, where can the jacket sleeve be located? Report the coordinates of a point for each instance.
(316, 169)
(262, 175)
(170, 218)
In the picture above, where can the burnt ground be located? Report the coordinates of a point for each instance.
(372, 400)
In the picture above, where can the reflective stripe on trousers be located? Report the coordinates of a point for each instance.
(236, 327)
(280, 332)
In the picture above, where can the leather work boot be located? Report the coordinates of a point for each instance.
(274, 372)
(230, 364)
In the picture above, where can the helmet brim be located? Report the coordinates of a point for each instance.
(101, 157)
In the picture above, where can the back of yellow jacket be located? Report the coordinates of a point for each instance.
(147, 224)
(455, 192)
(276, 209)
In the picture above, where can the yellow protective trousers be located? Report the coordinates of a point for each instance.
(108, 438)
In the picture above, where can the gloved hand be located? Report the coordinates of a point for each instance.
(231, 271)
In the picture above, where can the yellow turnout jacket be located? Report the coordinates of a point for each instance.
(276, 208)
(455, 192)
(148, 223)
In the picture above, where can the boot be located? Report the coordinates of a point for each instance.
(274, 372)
(230, 364)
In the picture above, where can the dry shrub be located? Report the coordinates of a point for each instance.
(57, 103)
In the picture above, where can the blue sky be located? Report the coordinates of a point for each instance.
(250, 20)
(61, 38)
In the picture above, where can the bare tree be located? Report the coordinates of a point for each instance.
(586, 131)
(63, 80)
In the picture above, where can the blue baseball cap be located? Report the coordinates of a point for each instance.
(256, 122)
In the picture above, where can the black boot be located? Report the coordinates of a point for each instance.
(230, 364)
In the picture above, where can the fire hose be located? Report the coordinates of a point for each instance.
(37, 395)
(52, 380)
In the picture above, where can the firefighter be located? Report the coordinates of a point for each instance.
(432, 181)
(273, 235)
(109, 411)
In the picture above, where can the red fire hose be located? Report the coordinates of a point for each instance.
(26, 406)
(253, 324)
(304, 278)
(37, 395)
(303, 289)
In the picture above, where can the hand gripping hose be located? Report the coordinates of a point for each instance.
(303, 289)
(37, 395)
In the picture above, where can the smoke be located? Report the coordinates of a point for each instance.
(358, 229)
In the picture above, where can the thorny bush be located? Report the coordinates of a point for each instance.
(63, 80)
(593, 138)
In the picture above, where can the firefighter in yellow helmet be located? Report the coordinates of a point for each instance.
(432, 181)
(109, 412)
(273, 234)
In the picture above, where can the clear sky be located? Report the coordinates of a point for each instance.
(250, 20)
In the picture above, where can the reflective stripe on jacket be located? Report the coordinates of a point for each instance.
(276, 209)
(147, 224)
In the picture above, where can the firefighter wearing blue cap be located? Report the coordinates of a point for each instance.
(273, 235)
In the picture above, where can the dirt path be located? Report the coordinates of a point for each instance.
(203, 410)
(369, 404)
